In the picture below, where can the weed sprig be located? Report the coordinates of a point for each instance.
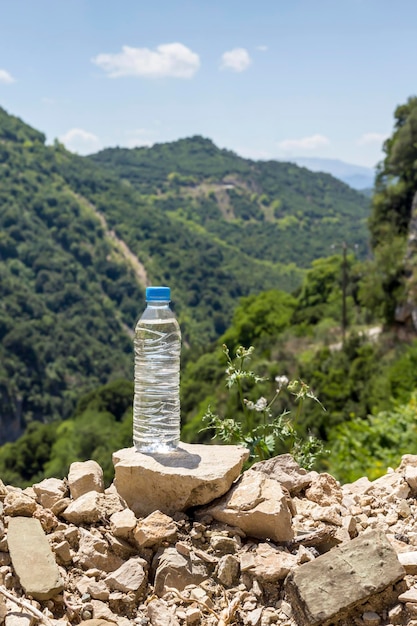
(260, 430)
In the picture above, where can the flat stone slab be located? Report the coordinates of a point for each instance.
(33, 559)
(192, 475)
(330, 586)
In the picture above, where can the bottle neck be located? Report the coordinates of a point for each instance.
(158, 305)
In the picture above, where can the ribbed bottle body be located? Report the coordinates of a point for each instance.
(156, 407)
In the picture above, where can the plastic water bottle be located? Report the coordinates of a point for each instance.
(156, 406)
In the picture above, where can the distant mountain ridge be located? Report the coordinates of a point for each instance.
(356, 176)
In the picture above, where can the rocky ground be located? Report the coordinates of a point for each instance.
(281, 546)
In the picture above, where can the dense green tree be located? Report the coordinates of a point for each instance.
(396, 180)
(101, 424)
(395, 187)
(368, 447)
(265, 315)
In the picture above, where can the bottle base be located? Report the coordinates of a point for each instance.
(156, 448)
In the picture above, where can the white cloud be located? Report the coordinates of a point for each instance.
(5, 77)
(170, 59)
(80, 141)
(237, 60)
(372, 138)
(305, 143)
(262, 48)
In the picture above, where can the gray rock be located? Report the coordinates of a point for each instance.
(121, 547)
(370, 618)
(224, 545)
(102, 611)
(329, 587)
(3, 490)
(155, 529)
(408, 596)
(96, 622)
(17, 503)
(50, 491)
(391, 485)
(63, 552)
(192, 475)
(228, 570)
(286, 471)
(94, 552)
(324, 490)
(160, 614)
(85, 476)
(258, 505)
(177, 571)
(98, 590)
(19, 619)
(409, 561)
(123, 523)
(32, 558)
(410, 475)
(91, 507)
(268, 563)
(129, 577)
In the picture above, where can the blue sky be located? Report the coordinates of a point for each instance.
(266, 78)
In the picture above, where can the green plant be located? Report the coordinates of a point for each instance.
(259, 430)
(369, 446)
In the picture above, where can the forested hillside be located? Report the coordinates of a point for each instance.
(270, 210)
(67, 296)
(81, 237)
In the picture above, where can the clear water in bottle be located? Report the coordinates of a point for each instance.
(156, 407)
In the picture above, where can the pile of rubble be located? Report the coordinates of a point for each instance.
(279, 546)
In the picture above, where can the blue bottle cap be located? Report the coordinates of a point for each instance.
(158, 294)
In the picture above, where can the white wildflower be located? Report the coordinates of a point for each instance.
(261, 404)
(282, 382)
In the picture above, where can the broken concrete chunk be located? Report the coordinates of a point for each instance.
(85, 476)
(258, 505)
(192, 475)
(32, 558)
(338, 581)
